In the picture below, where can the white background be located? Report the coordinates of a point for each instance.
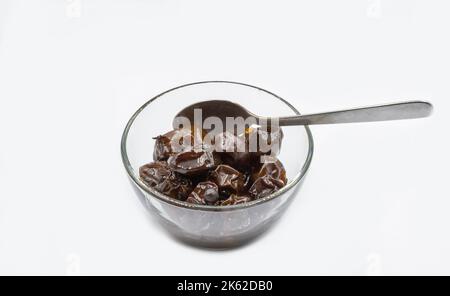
(376, 200)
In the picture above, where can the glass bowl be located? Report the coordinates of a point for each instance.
(214, 226)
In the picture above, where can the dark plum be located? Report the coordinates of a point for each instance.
(193, 163)
(228, 179)
(159, 176)
(235, 150)
(166, 145)
(273, 168)
(265, 186)
(205, 193)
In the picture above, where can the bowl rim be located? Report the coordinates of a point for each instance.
(190, 206)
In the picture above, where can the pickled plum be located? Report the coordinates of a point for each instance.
(167, 144)
(191, 162)
(273, 168)
(158, 175)
(228, 179)
(265, 186)
(205, 193)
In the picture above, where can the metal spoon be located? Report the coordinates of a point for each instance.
(395, 111)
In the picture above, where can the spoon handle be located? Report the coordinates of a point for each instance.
(402, 110)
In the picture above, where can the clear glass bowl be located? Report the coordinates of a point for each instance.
(214, 226)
